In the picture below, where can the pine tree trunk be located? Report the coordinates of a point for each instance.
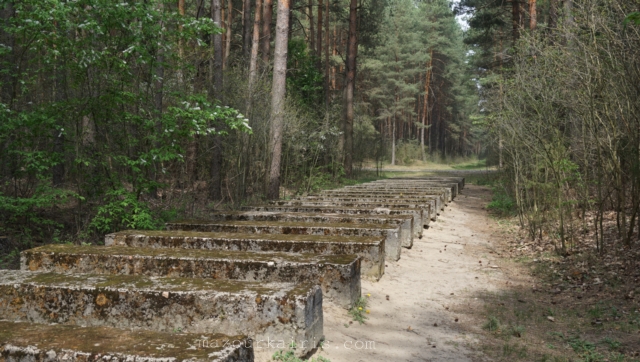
(352, 53)
(228, 33)
(312, 33)
(265, 42)
(327, 33)
(393, 143)
(425, 109)
(319, 40)
(246, 29)
(158, 88)
(278, 93)
(253, 62)
(533, 16)
(215, 188)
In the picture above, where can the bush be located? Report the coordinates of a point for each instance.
(123, 210)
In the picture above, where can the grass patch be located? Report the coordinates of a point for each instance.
(473, 165)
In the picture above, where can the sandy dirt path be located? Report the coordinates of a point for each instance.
(416, 323)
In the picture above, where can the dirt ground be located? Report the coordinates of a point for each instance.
(411, 317)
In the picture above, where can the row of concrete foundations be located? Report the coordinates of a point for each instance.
(219, 288)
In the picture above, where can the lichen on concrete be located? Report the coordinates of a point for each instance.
(338, 275)
(29, 342)
(276, 310)
(370, 249)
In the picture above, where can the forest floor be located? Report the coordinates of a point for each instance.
(473, 289)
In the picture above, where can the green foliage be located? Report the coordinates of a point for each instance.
(501, 202)
(492, 324)
(289, 356)
(634, 17)
(359, 310)
(123, 210)
(303, 77)
(79, 97)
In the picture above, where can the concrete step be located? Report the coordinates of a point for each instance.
(419, 219)
(281, 311)
(394, 237)
(404, 221)
(30, 342)
(456, 186)
(452, 189)
(427, 208)
(391, 192)
(436, 202)
(338, 275)
(454, 179)
(370, 249)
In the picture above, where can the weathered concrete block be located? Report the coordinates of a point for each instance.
(440, 196)
(404, 221)
(458, 182)
(420, 219)
(394, 238)
(386, 192)
(280, 311)
(456, 179)
(27, 342)
(370, 249)
(435, 202)
(338, 275)
(427, 208)
(417, 186)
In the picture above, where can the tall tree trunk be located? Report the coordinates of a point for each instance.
(253, 62)
(326, 60)
(158, 90)
(312, 33)
(393, 143)
(352, 53)
(229, 33)
(265, 42)
(533, 16)
(246, 29)
(319, 40)
(58, 170)
(215, 188)
(515, 13)
(278, 93)
(425, 103)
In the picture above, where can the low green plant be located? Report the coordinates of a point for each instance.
(289, 356)
(492, 324)
(611, 343)
(501, 202)
(359, 310)
(123, 210)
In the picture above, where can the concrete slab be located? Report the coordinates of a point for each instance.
(394, 238)
(278, 311)
(419, 219)
(28, 342)
(427, 208)
(337, 275)
(452, 187)
(436, 202)
(370, 249)
(392, 192)
(404, 221)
